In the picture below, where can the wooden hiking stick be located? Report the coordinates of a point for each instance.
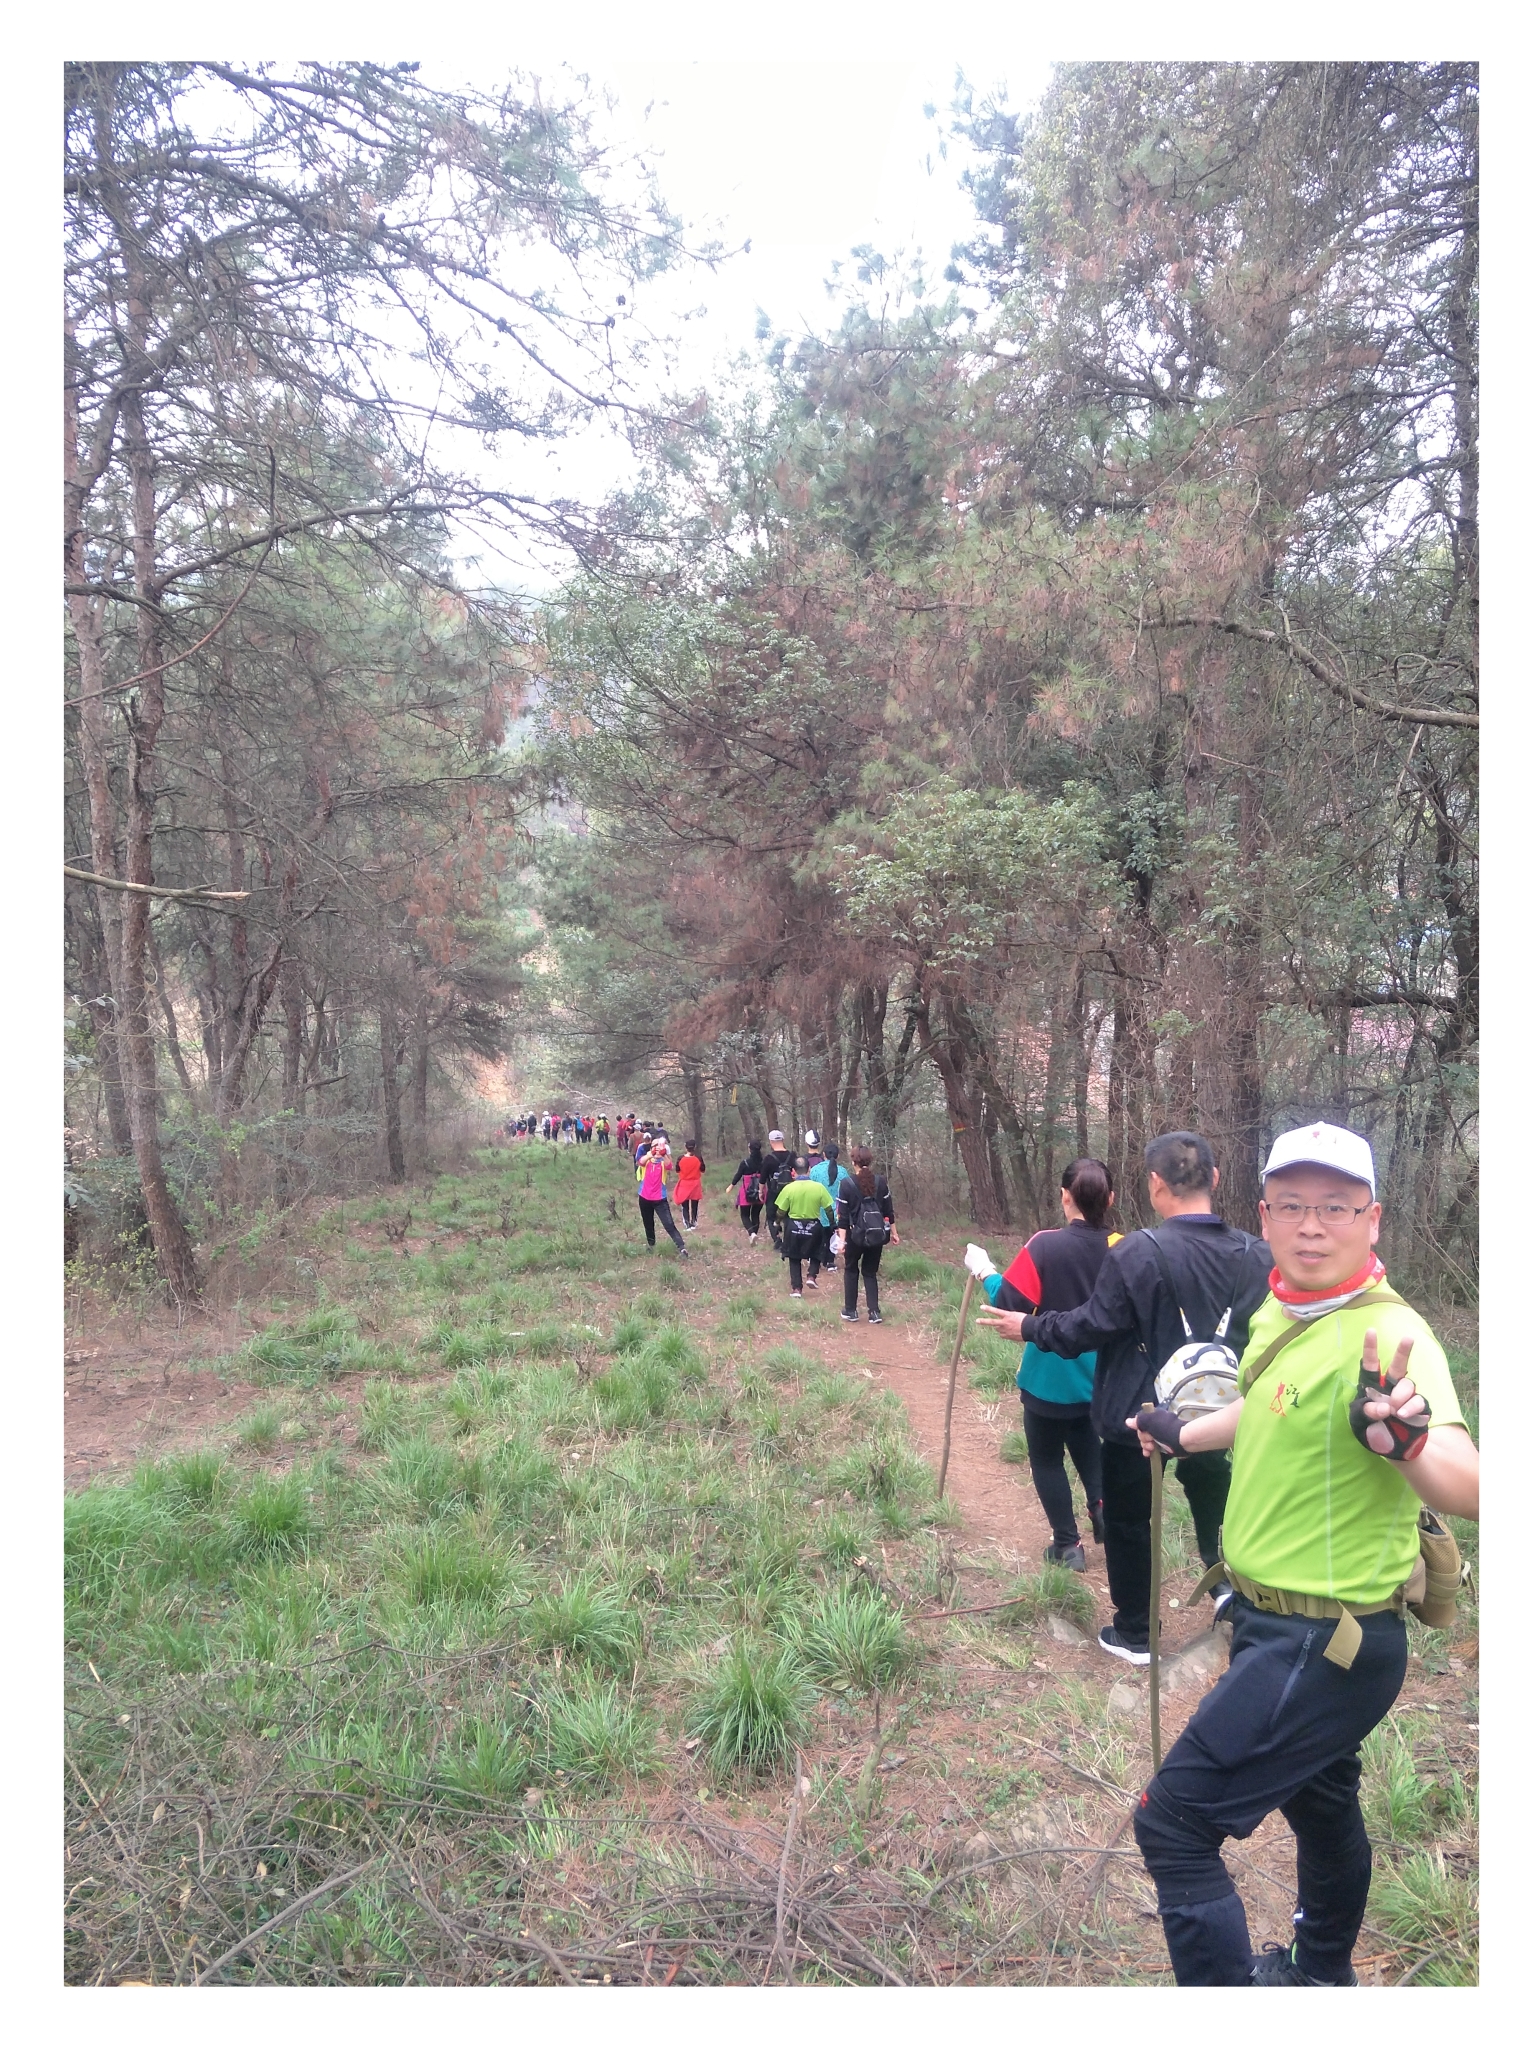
(1157, 1462)
(948, 1412)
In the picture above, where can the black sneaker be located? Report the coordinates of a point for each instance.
(1133, 1653)
(873, 1318)
(1277, 1965)
(1095, 1516)
(850, 1315)
(1071, 1555)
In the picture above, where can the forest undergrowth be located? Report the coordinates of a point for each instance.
(552, 1617)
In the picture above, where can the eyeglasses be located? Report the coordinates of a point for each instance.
(1332, 1215)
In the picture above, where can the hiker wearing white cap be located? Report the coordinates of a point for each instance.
(1333, 1460)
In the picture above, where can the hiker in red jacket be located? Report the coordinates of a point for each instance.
(690, 1183)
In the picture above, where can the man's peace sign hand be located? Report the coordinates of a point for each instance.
(1388, 1414)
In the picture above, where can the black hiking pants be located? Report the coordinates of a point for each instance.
(866, 1261)
(1049, 1438)
(690, 1213)
(1281, 1729)
(649, 1211)
(1205, 1477)
(751, 1217)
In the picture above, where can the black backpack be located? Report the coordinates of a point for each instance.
(866, 1222)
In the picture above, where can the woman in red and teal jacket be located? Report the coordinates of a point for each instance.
(1058, 1269)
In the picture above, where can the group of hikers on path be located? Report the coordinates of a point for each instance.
(1273, 1371)
(561, 1127)
(818, 1211)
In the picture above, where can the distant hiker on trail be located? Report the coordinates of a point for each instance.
(838, 1179)
(1157, 1289)
(1057, 1269)
(803, 1207)
(1333, 1460)
(653, 1165)
(866, 1219)
(690, 1183)
(603, 1130)
(778, 1171)
(749, 1179)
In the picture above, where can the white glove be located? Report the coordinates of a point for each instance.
(978, 1261)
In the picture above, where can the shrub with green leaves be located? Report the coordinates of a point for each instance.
(753, 1709)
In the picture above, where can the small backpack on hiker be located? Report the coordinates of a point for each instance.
(867, 1224)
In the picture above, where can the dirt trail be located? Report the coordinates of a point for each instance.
(1002, 1522)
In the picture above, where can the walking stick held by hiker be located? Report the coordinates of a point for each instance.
(948, 1412)
(1157, 1462)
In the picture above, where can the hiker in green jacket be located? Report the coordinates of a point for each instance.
(1332, 1460)
(805, 1205)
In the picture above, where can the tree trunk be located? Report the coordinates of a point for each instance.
(965, 1118)
(693, 1090)
(390, 1054)
(420, 1075)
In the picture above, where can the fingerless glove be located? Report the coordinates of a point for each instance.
(1163, 1427)
(1408, 1433)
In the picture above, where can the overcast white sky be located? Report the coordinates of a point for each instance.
(804, 160)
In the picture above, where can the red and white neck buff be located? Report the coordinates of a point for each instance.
(1302, 1303)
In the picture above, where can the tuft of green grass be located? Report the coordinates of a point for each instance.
(489, 1766)
(884, 1471)
(385, 1416)
(432, 1478)
(842, 1541)
(993, 1364)
(753, 1709)
(196, 1479)
(586, 1619)
(1432, 1907)
(1014, 1448)
(1050, 1590)
(594, 1735)
(1401, 1803)
(915, 1269)
(743, 1314)
(260, 1428)
(787, 1362)
(851, 1641)
(641, 1388)
(451, 1571)
(272, 1519)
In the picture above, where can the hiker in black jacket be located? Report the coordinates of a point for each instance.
(749, 1176)
(1132, 1321)
(777, 1172)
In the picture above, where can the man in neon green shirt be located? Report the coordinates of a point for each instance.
(805, 1206)
(1331, 1461)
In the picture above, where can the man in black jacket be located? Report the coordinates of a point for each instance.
(1132, 1321)
(777, 1172)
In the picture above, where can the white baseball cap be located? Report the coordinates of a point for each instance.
(1324, 1145)
(812, 1138)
